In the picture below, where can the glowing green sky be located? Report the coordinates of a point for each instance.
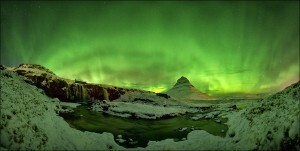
(222, 47)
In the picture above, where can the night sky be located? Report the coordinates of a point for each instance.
(223, 48)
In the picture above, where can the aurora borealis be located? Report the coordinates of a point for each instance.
(222, 47)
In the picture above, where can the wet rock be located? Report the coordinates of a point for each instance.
(163, 95)
(109, 147)
(289, 144)
(80, 81)
(2, 67)
(231, 134)
(142, 100)
(233, 107)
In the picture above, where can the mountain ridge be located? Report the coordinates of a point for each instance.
(65, 89)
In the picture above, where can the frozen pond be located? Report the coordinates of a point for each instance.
(138, 132)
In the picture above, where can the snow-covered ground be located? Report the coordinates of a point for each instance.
(272, 124)
(29, 121)
(142, 105)
(137, 110)
(152, 106)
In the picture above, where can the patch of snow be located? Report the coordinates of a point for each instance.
(218, 121)
(146, 111)
(183, 129)
(120, 140)
(148, 98)
(44, 83)
(198, 116)
(69, 104)
(198, 139)
(212, 115)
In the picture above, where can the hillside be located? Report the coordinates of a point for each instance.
(184, 90)
(66, 89)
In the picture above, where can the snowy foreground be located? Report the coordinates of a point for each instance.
(29, 120)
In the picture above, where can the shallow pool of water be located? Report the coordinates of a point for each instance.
(138, 132)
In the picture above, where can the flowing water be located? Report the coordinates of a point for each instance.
(138, 132)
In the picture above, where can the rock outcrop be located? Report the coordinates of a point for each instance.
(184, 90)
(65, 89)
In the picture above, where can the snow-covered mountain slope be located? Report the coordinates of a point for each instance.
(273, 124)
(29, 121)
(184, 90)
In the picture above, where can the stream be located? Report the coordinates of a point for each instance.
(138, 132)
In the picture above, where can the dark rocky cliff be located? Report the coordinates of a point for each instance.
(68, 90)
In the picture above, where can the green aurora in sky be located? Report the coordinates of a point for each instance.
(226, 47)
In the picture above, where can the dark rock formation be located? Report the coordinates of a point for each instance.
(163, 95)
(68, 90)
(2, 67)
(183, 80)
(35, 66)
